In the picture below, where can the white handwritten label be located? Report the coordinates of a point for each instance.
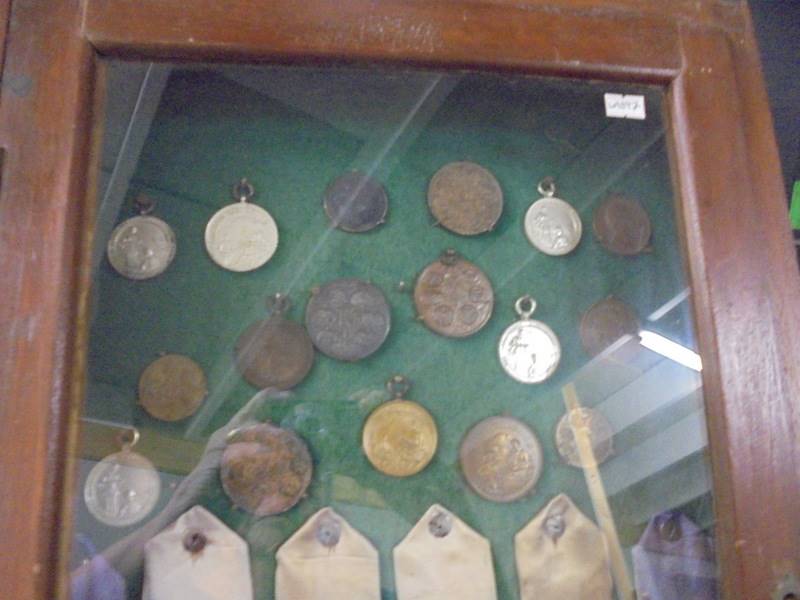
(625, 106)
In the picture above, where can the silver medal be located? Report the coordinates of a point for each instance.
(529, 351)
(143, 246)
(242, 236)
(122, 488)
(551, 224)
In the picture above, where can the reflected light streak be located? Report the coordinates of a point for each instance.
(672, 350)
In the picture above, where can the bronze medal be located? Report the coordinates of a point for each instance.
(276, 352)
(465, 198)
(172, 387)
(400, 436)
(605, 322)
(265, 470)
(453, 297)
(622, 225)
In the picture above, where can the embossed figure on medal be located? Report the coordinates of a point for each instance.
(551, 225)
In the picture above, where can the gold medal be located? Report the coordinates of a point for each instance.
(172, 387)
(400, 436)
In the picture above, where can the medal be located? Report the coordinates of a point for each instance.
(595, 426)
(501, 459)
(453, 297)
(621, 225)
(465, 198)
(399, 437)
(276, 352)
(348, 319)
(605, 322)
(355, 203)
(265, 470)
(172, 387)
(551, 224)
(242, 236)
(141, 247)
(529, 351)
(122, 488)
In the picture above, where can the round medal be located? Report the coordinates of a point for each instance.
(123, 488)
(141, 247)
(348, 319)
(590, 423)
(355, 202)
(242, 236)
(529, 351)
(551, 225)
(621, 225)
(501, 459)
(605, 322)
(276, 352)
(400, 436)
(453, 297)
(465, 198)
(172, 387)
(265, 470)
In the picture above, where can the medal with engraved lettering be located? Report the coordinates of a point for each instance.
(141, 247)
(465, 198)
(621, 225)
(122, 488)
(529, 350)
(276, 352)
(241, 236)
(400, 436)
(453, 297)
(551, 224)
(355, 202)
(605, 322)
(501, 459)
(348, 319)
(172, 387)
(265, 469)
(589, 422)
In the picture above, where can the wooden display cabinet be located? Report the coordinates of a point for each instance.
(733, 221)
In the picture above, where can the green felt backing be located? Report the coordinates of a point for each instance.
(290, 140)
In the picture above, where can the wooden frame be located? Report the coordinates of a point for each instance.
(740, 257)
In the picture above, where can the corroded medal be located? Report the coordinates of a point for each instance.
(465, 198)
(400, 436)
(590, 423)
(529, 350)
(172, 387)
(501, 459)
(143, 246)
(621, 225)
(265, 470)
(276, 352)
(453, 297)
(241, 236)
(122, 488)
(355, 202)
(551, 224)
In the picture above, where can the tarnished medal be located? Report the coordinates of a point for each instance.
(141, 247)
(588, 422)
(276, 352)
(501, 459)
(400, 436)
(122, 488)
(605, 322)
(529, 350)
(348, 319)
(265, 470)
(453, 297)
(241, 236)
(355, 202)
(172, 387)
(621, 225)
(465, 198)
(551, 224)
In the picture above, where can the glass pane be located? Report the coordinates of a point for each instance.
(497, 255)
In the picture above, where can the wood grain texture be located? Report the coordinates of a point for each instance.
(746, 289)
(43, 125)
